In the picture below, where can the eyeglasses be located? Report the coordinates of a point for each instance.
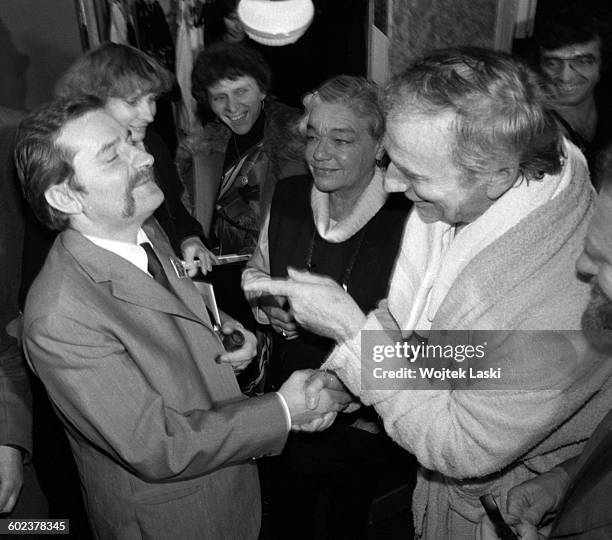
(582, 63)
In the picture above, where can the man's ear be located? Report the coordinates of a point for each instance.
(64, 199)
(501, 181)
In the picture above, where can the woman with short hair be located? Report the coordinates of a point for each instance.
(252, 143)
(339, 222)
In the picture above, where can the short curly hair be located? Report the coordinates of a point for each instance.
(114, 71)
(227, 61)
(358, 94)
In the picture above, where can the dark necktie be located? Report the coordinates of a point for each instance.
(154, 267)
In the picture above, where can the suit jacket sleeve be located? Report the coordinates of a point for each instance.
(15, 397)
(102, 393)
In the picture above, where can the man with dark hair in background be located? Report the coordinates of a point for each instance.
(571, 53)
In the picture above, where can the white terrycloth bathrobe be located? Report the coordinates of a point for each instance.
(511, 269)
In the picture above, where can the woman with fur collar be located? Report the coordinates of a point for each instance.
(251, 144)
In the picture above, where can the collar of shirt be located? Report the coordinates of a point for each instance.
(132, 253)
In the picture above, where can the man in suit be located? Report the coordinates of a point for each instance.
(163, 439)
(578, 492)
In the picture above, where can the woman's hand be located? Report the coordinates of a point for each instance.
(317, 303)
(193, 248)
(281, 320)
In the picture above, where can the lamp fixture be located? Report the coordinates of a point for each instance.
(275, 22)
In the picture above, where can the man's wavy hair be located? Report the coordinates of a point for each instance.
(114, 71)
(501, 112)
(41, 162)
(357, 94)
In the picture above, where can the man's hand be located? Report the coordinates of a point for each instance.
(318, 424)
(240, 358)
(192, 249)
(320, 380)
(316, 418)
(486, 530)
(317, 302)
(11, 477)
(532, 500)
(528, 505)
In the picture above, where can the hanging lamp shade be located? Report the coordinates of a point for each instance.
(275, 22)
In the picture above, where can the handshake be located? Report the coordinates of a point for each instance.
(314, 399)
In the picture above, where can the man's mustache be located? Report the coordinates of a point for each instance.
(140, 177)
(597, 319)
(599, 298)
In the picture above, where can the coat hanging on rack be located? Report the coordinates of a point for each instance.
(154, 35)
(189, 42)
(118, 31)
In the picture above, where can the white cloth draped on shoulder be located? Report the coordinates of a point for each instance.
(433, 255)
(369, 203)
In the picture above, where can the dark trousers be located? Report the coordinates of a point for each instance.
(55, 466)
(323, 484)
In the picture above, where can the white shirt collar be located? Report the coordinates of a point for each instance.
(132, 253)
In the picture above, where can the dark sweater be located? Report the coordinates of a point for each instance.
(363, 262)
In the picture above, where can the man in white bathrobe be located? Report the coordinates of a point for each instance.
(502, 202)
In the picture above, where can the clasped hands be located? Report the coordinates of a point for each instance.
(314, 399)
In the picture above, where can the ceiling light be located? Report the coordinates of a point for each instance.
(275, 22)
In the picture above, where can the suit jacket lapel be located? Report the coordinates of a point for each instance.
(130, 284)
(183, 287)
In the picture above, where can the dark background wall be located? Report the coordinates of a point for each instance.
(334, 44)
(38, 40)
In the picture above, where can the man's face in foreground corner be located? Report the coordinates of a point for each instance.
(595, 263)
